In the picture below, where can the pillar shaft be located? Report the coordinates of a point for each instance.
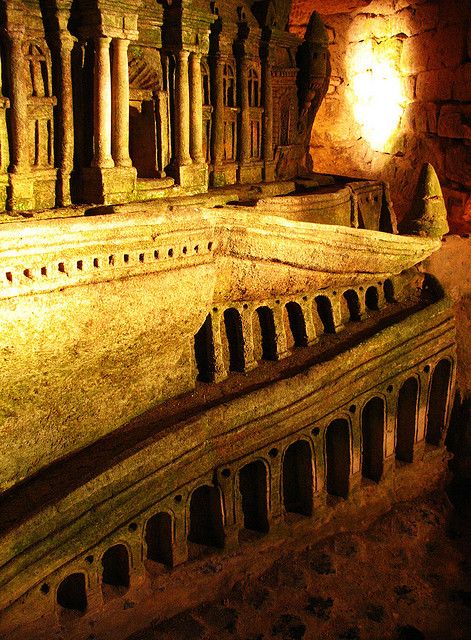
(218, 120)
(268, 112)
(18, 106)
(182, 91)
(196, 128)
(66, 116)
(120, 96)
(102, 104)
(244, 112)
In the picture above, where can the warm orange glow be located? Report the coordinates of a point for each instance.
(376, 91)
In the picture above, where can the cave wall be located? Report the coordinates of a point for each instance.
(428, 45)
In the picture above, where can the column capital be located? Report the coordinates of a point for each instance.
(103, 42)
(183, 54)
(121, 42)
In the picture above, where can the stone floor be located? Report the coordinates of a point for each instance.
(408, 577)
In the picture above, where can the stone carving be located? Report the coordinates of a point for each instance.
(151, 95)
(428, 215)
(314, 76)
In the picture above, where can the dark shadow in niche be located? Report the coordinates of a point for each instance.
(72, 593)
(372, 432)
(353, 304)
(115, 577)
(206, 525)
(235, 339)
(337, 448)
(267, 329)
(324, 310)
(204, 352)
(388, 289)
(297, 324)
(297, 478)
(406, 420)
(254, 495)
(438, 402)
(158, 538)
(372, 298)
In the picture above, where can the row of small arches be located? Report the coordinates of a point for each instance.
(206, 521)
(265, 333)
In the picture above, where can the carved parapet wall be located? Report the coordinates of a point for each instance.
(114, 310)
(350, 424)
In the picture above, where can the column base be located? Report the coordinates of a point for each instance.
(223, 174)
(63, 188)
(36, 190)
(109, 186)
(269, 173)
(3, 191)
(191, 176)
(250, 173)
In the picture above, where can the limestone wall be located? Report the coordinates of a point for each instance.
(426, 46)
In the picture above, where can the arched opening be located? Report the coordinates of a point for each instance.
(159, 538)
(254, 495)
(297, 324)
(438, 402)
(297, 478)
(407, 420)
(388, 289)
(229, 86)
(206, 526)
(235, 339)
(268, 333)
(372, 432)
(353, 304)
(115, 563)
(372, 299)
(337, 448)
(72, 593)
(204, 352)
(324, 310)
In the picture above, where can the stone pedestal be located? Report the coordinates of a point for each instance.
(191, 176)
(109, 186)
(269, 171)
(250, 173)
(223, 174)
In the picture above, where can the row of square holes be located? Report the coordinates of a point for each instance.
(111, 261)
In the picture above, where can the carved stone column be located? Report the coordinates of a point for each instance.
(244, 155)
(280, 332)
(182, 133)
(218, 122)
(196, 114)
(102, 104)
(19, 151)
(267, 118)
(66, 118)
(120, 104)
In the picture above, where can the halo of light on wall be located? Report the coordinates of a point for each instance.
(376, 91)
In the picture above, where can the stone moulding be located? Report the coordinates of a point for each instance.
(55, 541)
(104, 248)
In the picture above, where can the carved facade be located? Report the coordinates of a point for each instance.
(108, 102)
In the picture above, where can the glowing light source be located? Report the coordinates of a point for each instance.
(376, 91)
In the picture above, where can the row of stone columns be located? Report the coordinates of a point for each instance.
(218, 122)
(188, 109)
(111, 104)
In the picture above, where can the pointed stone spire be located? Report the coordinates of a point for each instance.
(428, 215)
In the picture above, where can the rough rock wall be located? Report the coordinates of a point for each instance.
(427, 45)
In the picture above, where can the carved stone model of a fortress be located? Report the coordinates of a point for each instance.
(206, 348)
